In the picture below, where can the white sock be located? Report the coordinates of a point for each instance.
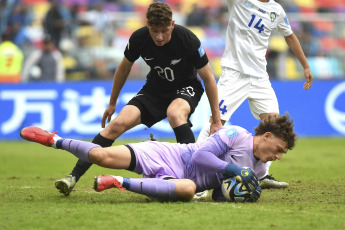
(119, 179)
(55, 138)
(268, 165)
(204, 133)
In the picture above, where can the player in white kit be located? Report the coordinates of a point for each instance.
(243, 64)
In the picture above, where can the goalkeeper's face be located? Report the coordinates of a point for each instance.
(271, 148)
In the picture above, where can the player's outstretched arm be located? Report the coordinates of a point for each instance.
(296, 48)
(207, 158)
(120, 77)
(211, 92)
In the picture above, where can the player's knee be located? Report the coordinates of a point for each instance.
(176, 117)
(117, 126)
(187, 192)
(190, 191)
(96, 155)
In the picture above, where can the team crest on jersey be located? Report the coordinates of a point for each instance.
(174, 62)
(201, 51)
(232, 132)
(273, 16)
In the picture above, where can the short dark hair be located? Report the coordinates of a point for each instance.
(281, 127)
(159, 14)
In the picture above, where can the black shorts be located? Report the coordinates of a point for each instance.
(153, 104)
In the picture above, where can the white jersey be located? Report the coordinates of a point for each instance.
(250, 25)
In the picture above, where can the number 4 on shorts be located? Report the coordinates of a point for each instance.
(222, 109)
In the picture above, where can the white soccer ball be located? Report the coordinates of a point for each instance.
(234, 191)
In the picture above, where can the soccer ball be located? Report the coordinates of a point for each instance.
(234, 191)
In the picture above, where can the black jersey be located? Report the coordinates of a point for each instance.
(172, 65)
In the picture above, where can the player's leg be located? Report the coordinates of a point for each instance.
(263, 103)
(181, 106)
(177, 113)
(65, 185)
(116, 157)
(162, 190)
(128, 117)
(152, 159)
(233, 88)
(185, 188)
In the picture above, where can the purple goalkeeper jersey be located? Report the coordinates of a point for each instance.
(203, 162)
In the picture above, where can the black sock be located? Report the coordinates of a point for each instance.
(184, 134)
(81, 167)
(102, 141)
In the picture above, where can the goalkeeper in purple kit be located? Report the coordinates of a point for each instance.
(174, 171)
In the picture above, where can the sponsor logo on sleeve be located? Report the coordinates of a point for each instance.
(201, 51)
(232, 132)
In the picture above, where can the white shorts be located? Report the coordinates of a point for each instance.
(234, 87)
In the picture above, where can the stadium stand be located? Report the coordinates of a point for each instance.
(100, 29)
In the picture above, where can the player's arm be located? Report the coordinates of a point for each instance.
(207, 157)
(293, 43)
(120, 77)
(211, 91)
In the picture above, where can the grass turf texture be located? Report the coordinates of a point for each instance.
(315, 199)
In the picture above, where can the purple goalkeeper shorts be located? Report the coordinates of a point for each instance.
(158, 160)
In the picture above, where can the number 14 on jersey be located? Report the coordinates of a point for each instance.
(258, 25)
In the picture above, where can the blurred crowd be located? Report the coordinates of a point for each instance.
(65, 40)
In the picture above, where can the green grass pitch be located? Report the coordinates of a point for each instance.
(315, 199)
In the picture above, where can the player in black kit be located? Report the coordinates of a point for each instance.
(172, 89)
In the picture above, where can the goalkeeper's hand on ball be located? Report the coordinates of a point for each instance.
(255, 195)
(245, 175)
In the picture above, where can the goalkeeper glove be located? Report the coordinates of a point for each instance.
(255, 195)
(245, 175)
